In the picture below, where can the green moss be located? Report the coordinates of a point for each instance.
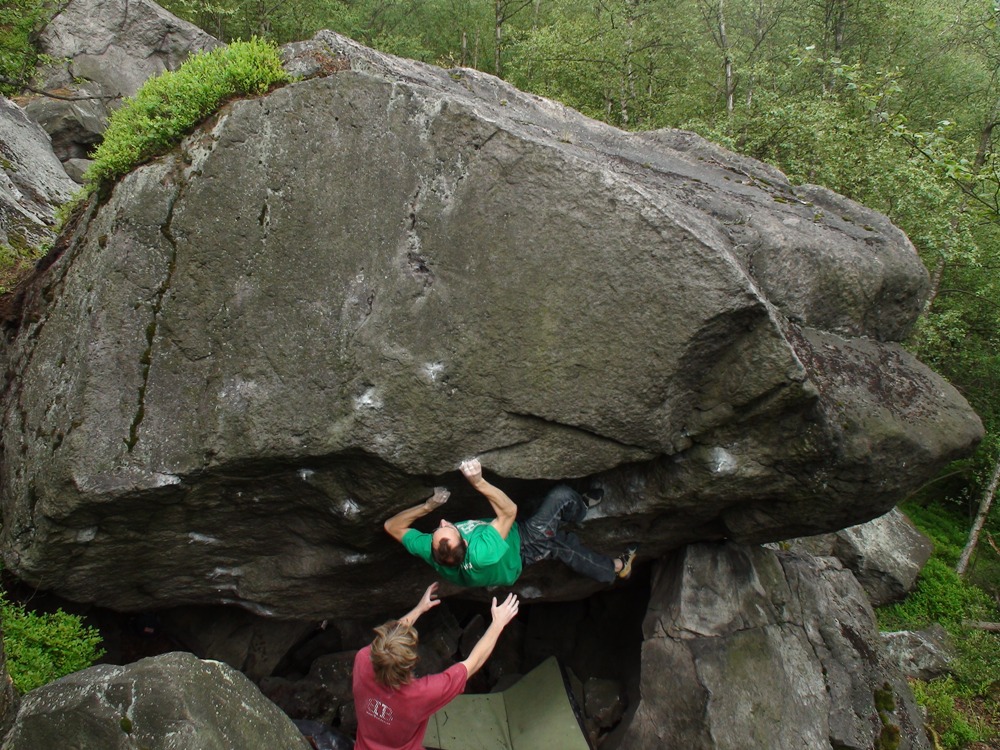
(884, 700)
(885, 704)
(888, 738)
(168, 106)
(940, 596)
(16, 262)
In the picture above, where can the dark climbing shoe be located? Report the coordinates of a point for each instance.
(593, 496)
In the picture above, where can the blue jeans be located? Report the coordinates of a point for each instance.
(541, 538)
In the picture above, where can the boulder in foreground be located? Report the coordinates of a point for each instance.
(169, 702)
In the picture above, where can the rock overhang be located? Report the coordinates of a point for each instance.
(269, 341)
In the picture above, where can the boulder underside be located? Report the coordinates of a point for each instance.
(293, 326)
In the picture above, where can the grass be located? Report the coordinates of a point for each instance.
(168, 106)
(15, 264)
(963, 708)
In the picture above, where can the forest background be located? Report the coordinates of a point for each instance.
(893, 103)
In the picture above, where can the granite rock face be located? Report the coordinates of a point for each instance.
(103, 51)
(921, 654)
(169, 702)
(33, 184)
(116, 44)
(746, 647)
(886, 554)
(268, 341)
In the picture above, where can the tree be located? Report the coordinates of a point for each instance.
(20, 23)
(714, 14)
(503, 11)
(984, 510)
(628, 62)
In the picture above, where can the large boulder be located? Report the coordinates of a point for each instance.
(169, 702)
(33, 184)
(75, 121)
(921, 654)
(116, 45)
(102, 51)
(746, 647)
(268, 341)
(886, 554)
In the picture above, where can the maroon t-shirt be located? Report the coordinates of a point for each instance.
(396, 719)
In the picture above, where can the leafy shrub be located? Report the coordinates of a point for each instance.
(168, 106)
(44, 647)
(20, 20)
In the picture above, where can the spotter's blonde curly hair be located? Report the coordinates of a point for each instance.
(394, 653)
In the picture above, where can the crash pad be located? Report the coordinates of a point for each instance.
(533, 713)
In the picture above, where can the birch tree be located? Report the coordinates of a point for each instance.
(977, 526)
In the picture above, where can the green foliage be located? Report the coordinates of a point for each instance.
(427, 30)
(940, 596)
(943, 526)
(168, 106)
(44, 647)
(15, 262)
(952, 729)
(613, 61)
(20, 21)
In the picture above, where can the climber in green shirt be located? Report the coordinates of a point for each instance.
(492, 552)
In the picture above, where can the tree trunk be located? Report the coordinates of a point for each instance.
(985, 141)
(993, 627)
(836, 26)
(726, 57)
(498, 37)
(936, 276)
(628, 82)
(977, 526)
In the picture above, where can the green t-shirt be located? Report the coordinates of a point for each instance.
(490, 560)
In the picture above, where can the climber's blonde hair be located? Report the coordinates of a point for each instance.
(394, 653)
